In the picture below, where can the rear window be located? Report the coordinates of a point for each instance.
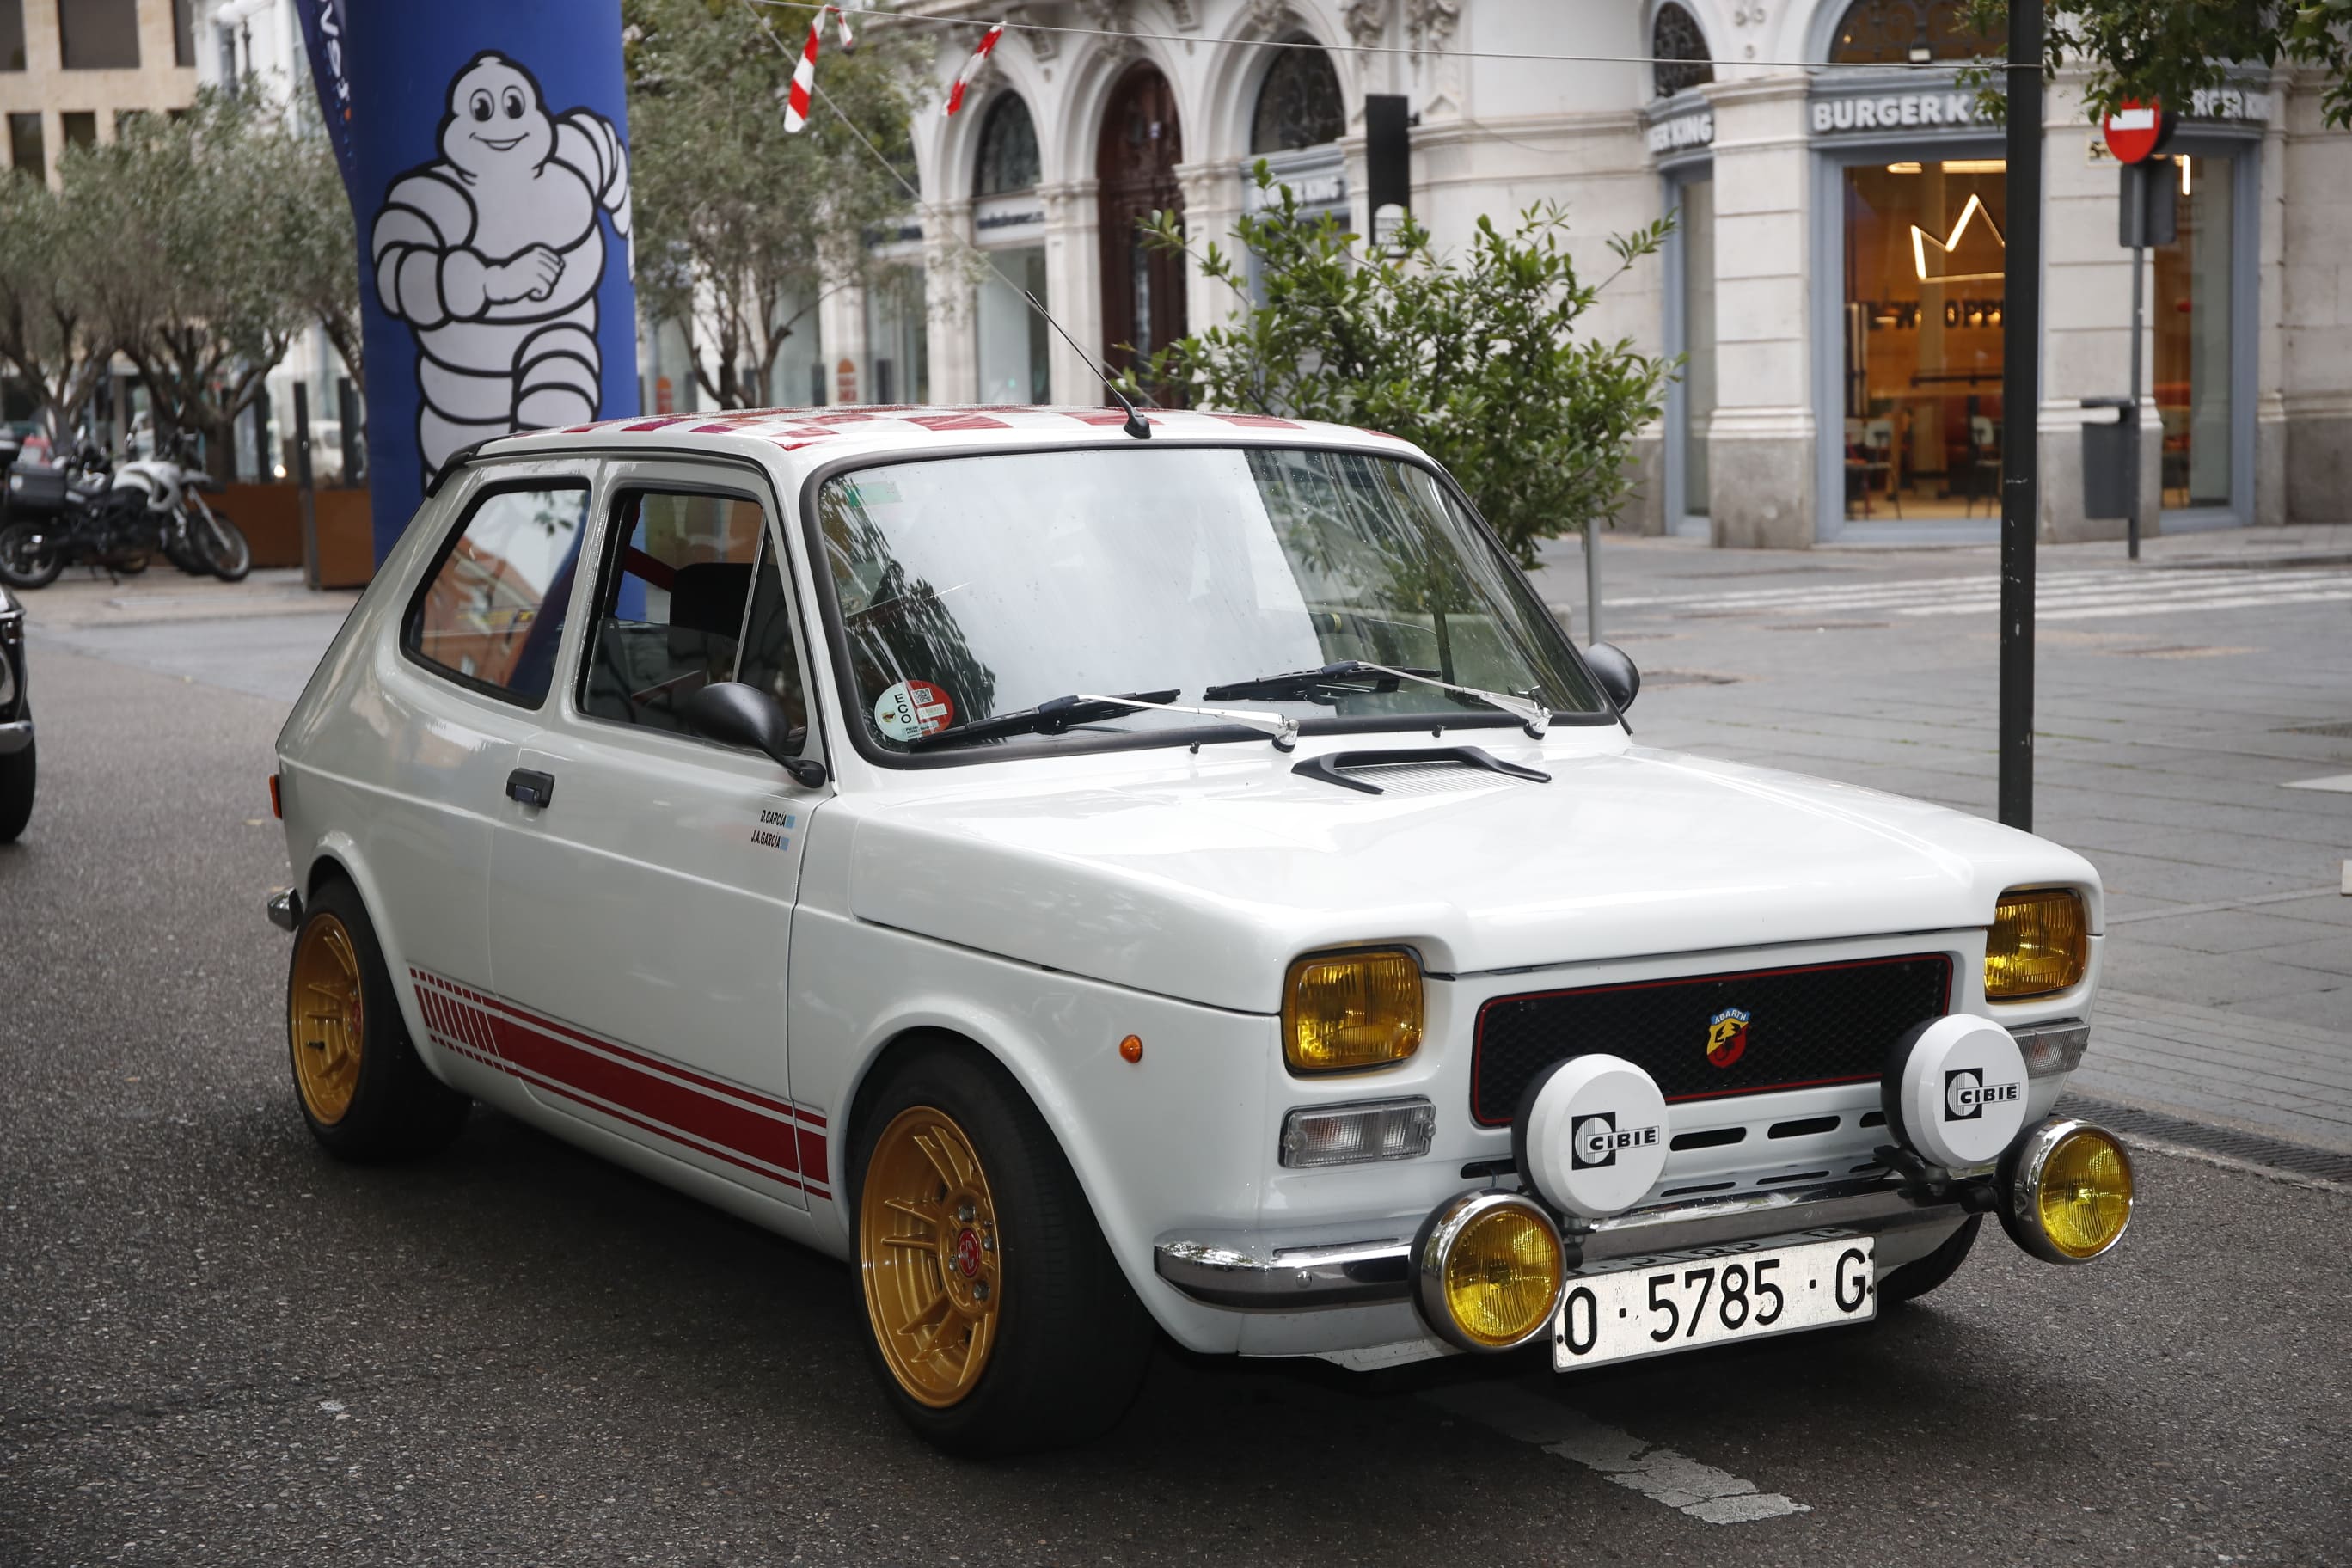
(491, 615)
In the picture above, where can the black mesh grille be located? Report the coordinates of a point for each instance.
(1817, 1023)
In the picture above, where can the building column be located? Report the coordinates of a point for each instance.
(950, 298)
(1761, 443)
(2314, 177)
(2086, 324)
(841, 328)
(2269, 288)
(1212, 200)
(1074, 285)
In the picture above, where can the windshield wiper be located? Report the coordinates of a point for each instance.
(1347, 675)
(1530, 713)
(1050, 717)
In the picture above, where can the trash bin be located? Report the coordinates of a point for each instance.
(2110, 457)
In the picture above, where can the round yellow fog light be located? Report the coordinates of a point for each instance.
(2069, 1191)
(1491, 1269)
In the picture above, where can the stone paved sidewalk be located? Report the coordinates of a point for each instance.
(2193, 737)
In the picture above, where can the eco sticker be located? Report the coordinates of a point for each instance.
(913, 709)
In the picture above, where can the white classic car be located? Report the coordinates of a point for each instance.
(1094, 884)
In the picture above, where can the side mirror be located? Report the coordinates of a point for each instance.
(734, 714)
(1616, 673)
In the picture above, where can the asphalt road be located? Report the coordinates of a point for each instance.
(219, 1346)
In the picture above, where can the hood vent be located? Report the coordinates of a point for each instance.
(1424, 769)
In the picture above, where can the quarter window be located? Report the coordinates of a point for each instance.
(492, 613)
(690, 595)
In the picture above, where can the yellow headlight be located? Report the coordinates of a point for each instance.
(1502, 1277)
(2040, 942)
(1348, 1011)
(2085, 1195)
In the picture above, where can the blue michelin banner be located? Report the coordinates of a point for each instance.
(486, 151)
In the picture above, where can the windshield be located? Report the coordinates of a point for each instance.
(977, 588)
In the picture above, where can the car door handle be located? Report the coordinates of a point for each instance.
(530, 788)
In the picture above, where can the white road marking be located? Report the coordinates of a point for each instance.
(2059, 596)
(1661, 1475)
(2340, 783)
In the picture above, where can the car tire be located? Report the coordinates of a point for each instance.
(366, 1092)
(19, 773)
(1011, 1258)
(1921, 1275)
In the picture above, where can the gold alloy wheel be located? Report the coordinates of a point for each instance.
(930, 1255)
(325, 1019)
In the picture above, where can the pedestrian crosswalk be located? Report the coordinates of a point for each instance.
(2065, 596)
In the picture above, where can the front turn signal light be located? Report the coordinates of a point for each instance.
(2040, 942)
(1345, 1012)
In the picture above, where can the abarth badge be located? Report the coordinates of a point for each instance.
(1726, 1037)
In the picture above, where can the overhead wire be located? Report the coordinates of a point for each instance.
(1190, 40)
(922, 211)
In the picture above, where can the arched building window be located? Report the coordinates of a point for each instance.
(1008, 148)
(1299, 106)
(1680, 50)
(1910, 32)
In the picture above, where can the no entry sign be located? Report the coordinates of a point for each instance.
(2135, 129)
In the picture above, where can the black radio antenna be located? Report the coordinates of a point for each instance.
(1136, 425)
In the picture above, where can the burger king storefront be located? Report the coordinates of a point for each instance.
(1843, 345)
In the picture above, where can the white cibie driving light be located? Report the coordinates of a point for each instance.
(1590, 1135)
(1954, 1091)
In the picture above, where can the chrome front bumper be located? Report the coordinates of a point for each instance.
(1359, 1273)
(15, 736)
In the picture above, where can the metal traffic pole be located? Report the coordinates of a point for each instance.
(305, 495)
(2131, 444)
(1592, 581)
(2020, 406)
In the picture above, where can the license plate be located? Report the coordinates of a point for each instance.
(1633, 1307)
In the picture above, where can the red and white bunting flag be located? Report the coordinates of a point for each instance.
(796, 106)
(971, 66)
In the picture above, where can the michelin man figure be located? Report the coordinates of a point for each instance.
(492, 254)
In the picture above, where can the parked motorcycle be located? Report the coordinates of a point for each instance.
(82, 513)
(194, 538)
(68, 514)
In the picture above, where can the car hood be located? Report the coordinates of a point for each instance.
(1204, 880)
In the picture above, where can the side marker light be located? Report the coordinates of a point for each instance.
(1130, 1049)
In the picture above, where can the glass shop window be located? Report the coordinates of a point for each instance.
(2189, 305)
(1013, 342)
(1923, 255)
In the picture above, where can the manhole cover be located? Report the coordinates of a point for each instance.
(1651, 678)
(2176, 652)
(2339, 730)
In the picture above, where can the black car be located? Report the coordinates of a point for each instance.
(17, 765)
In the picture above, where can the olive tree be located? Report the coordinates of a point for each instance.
(199, 253)
(1477, 358)
(743, 227)
(46, 335)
